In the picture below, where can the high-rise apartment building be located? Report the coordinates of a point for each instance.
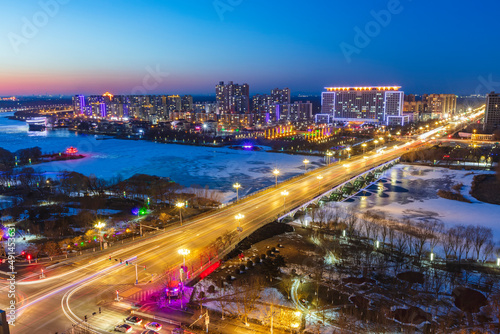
(492, 114)
(441, 105)
(232, 98)
(300, 111)
(379, 105)
(281, 96)
(174, 103)
(187, 103)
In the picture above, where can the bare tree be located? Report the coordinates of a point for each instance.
(247, 292)
(351, 221)
(435, 229)
(447, 241)
(51, 249)
(481, 236)
(323, 216)
(488, 249)
(391, 233)
(401, 243)
(222, 300)
(421, 236)
(468, 236)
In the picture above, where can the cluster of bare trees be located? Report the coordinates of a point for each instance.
(450, 154)
(206, 195)
(27, 177)
(408, 237)
(460, 241)
(247, 298)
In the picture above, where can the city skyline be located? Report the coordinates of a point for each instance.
(62, 47)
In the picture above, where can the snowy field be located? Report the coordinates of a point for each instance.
(188, 165)
(411, 192)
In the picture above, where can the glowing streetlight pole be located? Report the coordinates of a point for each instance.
(284, 193)
(329, 155)
(364, 147)
(100, 225)
(238, 218)
(305, 165)
(184, 252)
(376, 142)
(349, 152)
(319, 177)
(180, 205)
(276, 173)
(237, 186)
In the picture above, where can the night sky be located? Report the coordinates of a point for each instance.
(90, 46)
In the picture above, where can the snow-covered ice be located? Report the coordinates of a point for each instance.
(411, 192)
(219, 168)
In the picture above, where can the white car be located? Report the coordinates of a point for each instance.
(124, 328)
(153, 326)
(149, 331)
(133, 320)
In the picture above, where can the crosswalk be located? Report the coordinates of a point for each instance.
(109, 317)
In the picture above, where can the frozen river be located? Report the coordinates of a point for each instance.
(407, 191)
(188, 165)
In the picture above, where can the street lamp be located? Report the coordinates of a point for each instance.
(180, 205)
(319, 177)
(100, 225)
(276, 173)
(329, 155)
(364, 147)
(238, 218)
(305, 164)
(349, 152)
(184, 252)
(376, 142)
(284, 193)
(237, 186)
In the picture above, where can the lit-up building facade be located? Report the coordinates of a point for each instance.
(441, 106)
(379, 105)
(232, 98)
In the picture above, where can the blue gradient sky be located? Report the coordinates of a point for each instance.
(92, 46)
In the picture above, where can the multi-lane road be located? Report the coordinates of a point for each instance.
(78, 288)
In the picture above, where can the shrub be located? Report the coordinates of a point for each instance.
(211, 289)
(453, 196)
